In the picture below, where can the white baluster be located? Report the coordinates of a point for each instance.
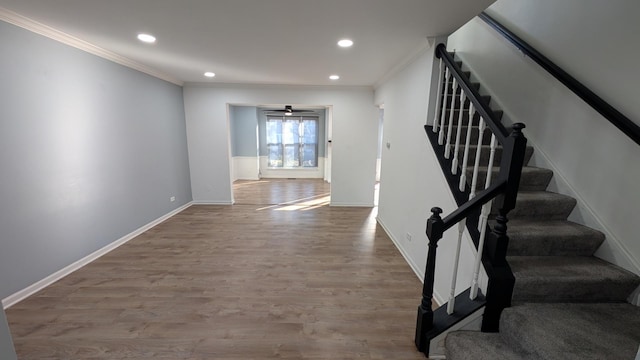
(447, 148)
(438, 99)
(456, 261)
(456, 151)
(484, 216)
(494, 144)
(465, 158)
(444, 106)
(476, 166)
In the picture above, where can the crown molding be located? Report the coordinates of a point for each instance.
(47, 31)
(408, 60)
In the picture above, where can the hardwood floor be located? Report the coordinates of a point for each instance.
(233, 282)
(279, 191)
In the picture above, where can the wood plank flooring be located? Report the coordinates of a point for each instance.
(233, 282)
(279, 191)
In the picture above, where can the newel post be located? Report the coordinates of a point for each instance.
(424, 323)
(501, 279)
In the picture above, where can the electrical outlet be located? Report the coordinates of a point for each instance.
(172, 199)
(409, 236)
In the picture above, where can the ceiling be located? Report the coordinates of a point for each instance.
(258, 41)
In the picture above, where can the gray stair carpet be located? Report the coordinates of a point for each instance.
(567, 304)
(552, 237)
(569, 279)
(554, 331)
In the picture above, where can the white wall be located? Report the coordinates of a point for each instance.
(411, 181)
(246, 168)
(354, 136)
(592, 160)
(298, 173)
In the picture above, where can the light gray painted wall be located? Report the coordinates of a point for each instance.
(7, 352)
(595, 41)
(592, 160)
(243, 126)
(411, 181)
(354, 136)
(322, 139)
(89, 150)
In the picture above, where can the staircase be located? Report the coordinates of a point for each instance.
(567, 304)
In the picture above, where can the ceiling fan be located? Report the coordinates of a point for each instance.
(288, 110)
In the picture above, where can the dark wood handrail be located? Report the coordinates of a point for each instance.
(474, 204)
(615, 117)
(472, 94)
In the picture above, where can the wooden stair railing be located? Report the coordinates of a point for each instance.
(614, 116)
(459, 105)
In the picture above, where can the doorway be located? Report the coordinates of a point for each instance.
(279, 157)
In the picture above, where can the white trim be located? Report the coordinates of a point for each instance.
(473, 322)
(57, 35)
(295, 173)
(39, 285)
(594, 220)
(340, 204)
(419, 273)
(202, 202)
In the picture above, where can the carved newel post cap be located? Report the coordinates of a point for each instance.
(518, 127)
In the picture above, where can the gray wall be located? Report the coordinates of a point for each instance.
(243, 128)
(89, 150)
(7, 351)
(322, 138)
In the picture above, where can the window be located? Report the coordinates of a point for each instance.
(292, 141)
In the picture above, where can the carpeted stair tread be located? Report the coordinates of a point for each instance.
(486, 136)
(485, 152)
(569, 279)
(541, 205)
(574, 331)
(552, 238)
(475, 345)
(532, 179)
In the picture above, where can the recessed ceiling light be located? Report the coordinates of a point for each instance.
(334, 77)
(209, 74)
(345, 43)
(149, 39)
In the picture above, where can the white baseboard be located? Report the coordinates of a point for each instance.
(35, 287)
(212, 203)
(561, 185)
(340, 204)
(419, 272)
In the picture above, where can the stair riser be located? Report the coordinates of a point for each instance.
(465, 115)
(557, 291)
(540, 210)
(552, 238)
(486, 137)
(551, 246)
(476, 86)
(485, 154)
(484, 99)
(529, 181)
